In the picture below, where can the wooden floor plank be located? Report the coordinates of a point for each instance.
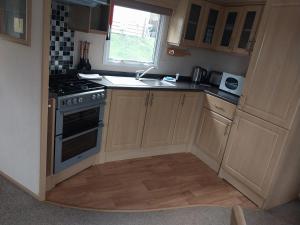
(175, 180)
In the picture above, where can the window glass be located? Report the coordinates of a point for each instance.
(135, 36)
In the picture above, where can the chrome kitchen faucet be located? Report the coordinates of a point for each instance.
(141, 73)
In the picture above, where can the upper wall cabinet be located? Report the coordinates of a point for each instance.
(229, 28)
(87, 19)
(212, 22)
(15, 20)
(238, 30)
(193, 23)
(202, 24)
(247, 30)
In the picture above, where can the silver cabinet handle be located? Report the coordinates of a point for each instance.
(226, 129)
(147, 100)
(241, 101)
(220, 108)
(151, 100)
(183, 100)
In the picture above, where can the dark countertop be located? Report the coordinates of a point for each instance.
(179, 86)
(184, 84)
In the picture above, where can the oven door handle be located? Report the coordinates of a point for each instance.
(79, 134)
(69, 112)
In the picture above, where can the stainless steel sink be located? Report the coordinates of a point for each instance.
(142, 82)
(126, 81)
(156, 82)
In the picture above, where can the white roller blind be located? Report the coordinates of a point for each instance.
(134, 4)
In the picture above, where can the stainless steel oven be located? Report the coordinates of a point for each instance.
(79, 123)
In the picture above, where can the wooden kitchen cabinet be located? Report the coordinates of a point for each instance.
(229, 28)
(186, 22)
(247, 29)
(272, 85)
(193, 23)
(238, 30)
(186, 116)
(126, 121)
(252, 154)
(211, 26)
(212, 137)
(90, 20)
(161, 118)
(219, 27)
(219, 106)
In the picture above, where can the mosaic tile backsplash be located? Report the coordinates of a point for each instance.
(62, 40)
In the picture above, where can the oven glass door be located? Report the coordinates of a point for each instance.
(80, 121)
(75, 146)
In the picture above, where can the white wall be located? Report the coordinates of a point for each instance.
(20, 100)
(211, 60)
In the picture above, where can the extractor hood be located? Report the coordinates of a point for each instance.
(90, 3)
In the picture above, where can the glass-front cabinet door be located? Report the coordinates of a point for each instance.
(247, 30)
(229, 28)
(211, 25)
(193, 23)
(15, 17)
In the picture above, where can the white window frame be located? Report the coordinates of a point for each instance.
(135, 64)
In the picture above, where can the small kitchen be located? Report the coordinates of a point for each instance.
(161, 104)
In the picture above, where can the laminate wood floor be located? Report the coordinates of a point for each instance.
(167, 181)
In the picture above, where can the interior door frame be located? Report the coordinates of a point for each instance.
(44, 95)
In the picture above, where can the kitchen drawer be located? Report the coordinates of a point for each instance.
(219, 106)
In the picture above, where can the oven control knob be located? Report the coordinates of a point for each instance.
(69, 102)
(80, 100)
(98, 96)
(102, 95)
(75, 101)
(94, 97)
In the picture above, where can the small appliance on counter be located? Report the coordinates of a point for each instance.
(232, 83)
(200, 75)
(215, 78)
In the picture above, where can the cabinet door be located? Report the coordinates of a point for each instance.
(186, 117)
(212, 21)
(212, 137)
(193, 23)
(161, 118)
(126, 121)
(247, 30)
(272, 86)
(229, 28)
(253, 151)
(79, 18)
(177, 23)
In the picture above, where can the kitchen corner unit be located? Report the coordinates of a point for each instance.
(145, 123)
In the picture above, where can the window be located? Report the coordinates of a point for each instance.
(135, 37)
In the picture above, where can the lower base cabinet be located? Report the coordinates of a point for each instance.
(252, 154)
(161, 118)
(143, 119)
(187, 115)
(126, 120)
(212, 137)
